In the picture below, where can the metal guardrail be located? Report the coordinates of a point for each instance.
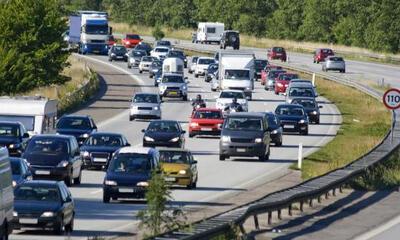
(302, 193)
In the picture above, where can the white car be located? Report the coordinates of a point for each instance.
(226, 96)
(193, 62)
(145, 63)
(159, 52)
(202, 65)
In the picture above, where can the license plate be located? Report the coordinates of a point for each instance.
(206, 129)
(96, 51)
(99, 159)
(125, 190)
(173, 93)
(42, 172)
(119, 57)
(241, 149)
(28, 220)
(289, 126)
(170, 179)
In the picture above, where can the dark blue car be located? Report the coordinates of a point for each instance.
(293, 118)
(129, 173)
(20, 171)
(14, 136)
(79, 126)
(164, 133)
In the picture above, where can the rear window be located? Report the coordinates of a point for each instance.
(244, 123)
(336, 59)
(301, 92)
(208, 115)
(133, 36)
(131, 163)
(278, 49)
(211, 30)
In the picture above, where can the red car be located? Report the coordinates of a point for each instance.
(131, 40)
(282, 81)
(111, 40)
(206, 121)
(265, 71)
(322, 53)
(277, 53)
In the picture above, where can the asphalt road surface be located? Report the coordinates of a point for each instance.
(216, 179)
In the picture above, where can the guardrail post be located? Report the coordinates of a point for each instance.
(327, 195)
(269, 218)
(311, 202)
(301, 206)
(256, 222)
(341, 188)
(313, 79)
(319, 199)
(290, 210)
(300, 156)
(242, 230)
(279, 214)
(334, 192)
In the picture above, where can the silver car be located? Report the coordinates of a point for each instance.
(173, 85)
(334, 63)
(134, 57)
(145, 105)
(300, 89)
(145, 63)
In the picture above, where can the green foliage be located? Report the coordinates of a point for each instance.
(31, 45)
(157, 217)
(157, 33)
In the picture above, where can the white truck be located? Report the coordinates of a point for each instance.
(208, 32)
(236, 71)
(173, 65)
(89, 31)
(37, 114)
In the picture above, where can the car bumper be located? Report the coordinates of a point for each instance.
(91, 162)
(119, 58)
(173, 93)
(124, 192)
(242, 149)
(200, 71)
(178, 180)
(145, 113)
(162, 144)
(29, 222)
(294, 127)
(56, 173)
(144, 68)
(202, 131)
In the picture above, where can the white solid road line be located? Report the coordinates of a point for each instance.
(380, 229)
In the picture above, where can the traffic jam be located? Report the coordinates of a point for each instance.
(49, 154)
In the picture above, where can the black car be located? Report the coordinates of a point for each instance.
(311, 107)
(230, 39)
(143, 46)
(14, 136)
(259, 65)
(97, 150)
(165, 133)
(55, 157)
(245, 135)
(118, 52)
(210, 72)
(293, 118)
(134, 57)
(275, 129)
(20, 171)
(178, 54)
(79, 126)
(156, 66)
(129, 173)
(44, 205)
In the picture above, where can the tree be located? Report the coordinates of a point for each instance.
(158, 34)
(31, 45)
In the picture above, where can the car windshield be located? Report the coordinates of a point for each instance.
(138, 53)
(104, 140)
(162, 50)
(147, 59)
(174, 157)
(74, 123)
(48, 145)
(301, 92)
(9, 130)
(288, 77)
(16, 168)
(37, 193)
(142, 46)
(194, 59)
(274, 74)
(173, 79)
(238, 95)
(131, 163)
(119, 49)
(336, 59)
(133, 36)
(272, 121)
(307, 103)
(244, 123)
(145, 98)
(213, 67)
(176, 54)
(237, 74)
(278, 49)
(260, 64)
(205, 61)
(96, 29)
(208, 115)
(163, 126)
(326, 51)
(289, 110)
(164, 43)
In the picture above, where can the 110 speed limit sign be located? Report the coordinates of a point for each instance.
(391, 98)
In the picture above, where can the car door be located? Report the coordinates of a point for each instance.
(181, 133)
(75, 158)
(67, 204)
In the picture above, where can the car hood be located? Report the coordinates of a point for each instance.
(73, 132)
(44, 159)
(174, 167)
(106, 149)
(162, 136)
(242, 133)
(8, 140)
(28, 206)
(128, 179)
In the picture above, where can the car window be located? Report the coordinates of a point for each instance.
(138, 53)
(194, 59)
(119, 49)
(133, 36)
(74, 123)
(174, 157)
(9, 130)
(16, 168)
(173, 79)
(288, 77)
(145, 98)
(205, 61)
(226, 94)
(47, 145)
(336, 59)
(237, 74)
(163, 50)
(131, 163)
(37, 193)
(147, 59)
(301, 92)
(163, 126)
(286, 110)
(104, 140)
(244, 123)
(207, 115)
(307, 103)
(278, 49)
(275, 74)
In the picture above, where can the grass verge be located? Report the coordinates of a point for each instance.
(354, 53)
(82, 84)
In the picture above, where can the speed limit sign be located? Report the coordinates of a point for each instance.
(391, 98)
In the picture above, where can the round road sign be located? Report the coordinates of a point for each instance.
(391, 98)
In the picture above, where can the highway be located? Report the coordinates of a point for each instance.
(216, 179)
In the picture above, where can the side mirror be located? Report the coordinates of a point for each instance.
(320, 106)
(143, 130)
(194, 162)
(127, 144)
(68, 199)
(183, 131)
(26, 135)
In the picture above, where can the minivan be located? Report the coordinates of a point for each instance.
(245, 135)
(6, 196)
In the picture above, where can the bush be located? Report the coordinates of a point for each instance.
(157, 33)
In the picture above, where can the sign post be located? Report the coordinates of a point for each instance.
(391, 99)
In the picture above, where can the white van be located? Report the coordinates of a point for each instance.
(208, 32)
(37, 114)
(173, 65)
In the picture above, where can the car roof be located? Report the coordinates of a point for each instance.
(173, 74)
(139, 150)
(246, 114)
(10, 123)
(165, 47)
(165, 149)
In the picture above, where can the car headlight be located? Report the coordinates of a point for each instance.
(110, 183)
(14, 145)
(274, 132)
(85, 135)
(48, 214)
(14, 183)
(175, 139)
(134, 107)
(314, 112)
(225, 139)
(182, 172)
(258, 140)
(113, 55)
(148, 139)
(248, 88)
(302, 121)
(142, 184)
(85, 154)
(219, 125)
(156, 108)
(63, 164)
(184, 87)
(15, 214)
(194, 124)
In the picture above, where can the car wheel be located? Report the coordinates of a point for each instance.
(110, 60)
(220, 46)
(59, 228)
(279, 143)
(305, 132)
(276, 93)
(4, 229)
(106, 198)
(343, 71)
(185, 98)
(68, 180)
(70, 227)
(222, 157)
(191, 135)
(196, 75)
(131, 118)
(140, 71)
(317, 121)
(150, 76)
(224, 46)
(77, 180)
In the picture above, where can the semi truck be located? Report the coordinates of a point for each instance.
(236, 71)
(89, 32)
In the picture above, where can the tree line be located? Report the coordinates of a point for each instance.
(372, 24)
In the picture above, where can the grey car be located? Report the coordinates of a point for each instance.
(134, 57)
(145, 105)
(174, 86)
(334, 63)
(272, 75)
(295, 90)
